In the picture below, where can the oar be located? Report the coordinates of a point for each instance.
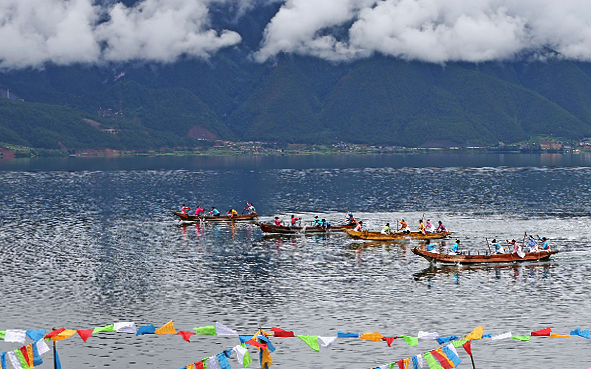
(396, 225)
(487, 244)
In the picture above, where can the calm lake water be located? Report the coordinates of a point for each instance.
(89, 242)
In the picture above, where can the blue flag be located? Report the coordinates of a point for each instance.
(58, 365)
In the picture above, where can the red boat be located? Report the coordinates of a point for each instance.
(485, 258)
(272, 228)
(221, 218)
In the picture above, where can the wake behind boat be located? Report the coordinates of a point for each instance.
(378, 236)
(272, 228)
(211, 218)
(486, 258)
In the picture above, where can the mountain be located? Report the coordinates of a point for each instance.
(292, 99)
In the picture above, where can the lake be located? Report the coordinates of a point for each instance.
(85, 242)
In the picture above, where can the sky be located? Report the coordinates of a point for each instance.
(63, 32)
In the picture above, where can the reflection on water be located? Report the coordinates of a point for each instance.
(86, 248)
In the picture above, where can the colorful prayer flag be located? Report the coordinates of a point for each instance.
(476, 334)
(278, 332)
(66, 333)
(167, 328)
(411, 341)
(207, 330)
(222, 330)
(186, 335)
(311, 341)
(521, 338)
(542, 332)
(107, 328)
(85, 334)
(375, 336)
(146, 329)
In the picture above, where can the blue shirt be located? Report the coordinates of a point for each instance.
(431, 246)
(215, 212)
(455, 247)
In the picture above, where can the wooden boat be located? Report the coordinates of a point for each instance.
(490, 258)
(378, 236)
(272, 228)
(221, 218)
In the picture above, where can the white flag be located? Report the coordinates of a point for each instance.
(14, 360)
(501, 336)
(222, 330)
(42, 347)
(125, 327)
(428, 335)
(240, 352)
(15, 335)
(326, 342)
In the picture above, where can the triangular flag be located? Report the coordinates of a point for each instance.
(222, 330)
(559, 335)
(542, 332)
(522, 338)
(15, 335)
(468, 347)
(242, 355)
(85, 334)
(190, 366)
(54, 333)
(476, 334)
(427, 335)
(255, 343)
(199, 365)
(125, 327)
(64, 334)
(207, 330)
(146, 329)
(411, 341)
(186, 335)
(574, 332)
(458, 343)
(375, 336)
(167, 328)
(2, 334)
(107, 328)
(326, 342)
(389, 340)
(36, 335)
(502, 336)
(400, 364)
(57, 362)
(278, 332)
(311, 341)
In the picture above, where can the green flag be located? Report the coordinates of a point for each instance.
(207, 330)
(411, 341)
(2, 334)
(312, 341)
(22, 359)
(522, 338)
(433, 364)
(246, 360)
(459, 343)
(107, 328)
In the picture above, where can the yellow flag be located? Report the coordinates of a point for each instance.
(476, 334)
(375, 336)
(406, 363)
(64, 334)
(191, 366)
(266, 359)
(30, 354)
(167, 328)
(440, 351)
(559, 335)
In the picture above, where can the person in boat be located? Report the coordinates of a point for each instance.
(199, 210)
(441, 228)
(497, 246)
(294, 221)
(404, 227)
(429, 227)
(278, 222)
(325, 224)
(532, 243)
(422, 227)
(431, 247)
(515, 245)
(249, 208)
(456, 247)
(185, 209)
(215, 212)
(386, 229)
(544, 246)
(232, 213)
(350, 219)
(359, 227)
(317, 222)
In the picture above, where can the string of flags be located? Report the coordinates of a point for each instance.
(445, 356)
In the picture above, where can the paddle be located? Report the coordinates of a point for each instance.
(488, 244)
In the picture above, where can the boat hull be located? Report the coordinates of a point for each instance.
(377, 236)
(271, 228)
(481, 259)
(221, 218)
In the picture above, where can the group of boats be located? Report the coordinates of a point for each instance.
(349, 228)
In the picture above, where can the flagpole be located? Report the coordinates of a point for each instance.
(54, 352)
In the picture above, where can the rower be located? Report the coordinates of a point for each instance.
(316, 222)
(456, 247)
(429, 227)
(359, 227)
(544, 246)
(325, 224)
(350, 219)
(278, 222)
(185, 209)
(293, 221)
(516, 247)
(232, 213)
(199, 210)
(441, 228)
(431, 247)
(498, 248)
(531, 243)
(404, 227)
(215, 212)
(422, 226)
(250, 208)
(386, 229)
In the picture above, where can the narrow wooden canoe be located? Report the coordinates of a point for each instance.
(473, 259)
(272, 228)
(209, 218)
(377, 236)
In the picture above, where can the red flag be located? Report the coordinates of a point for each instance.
(186, 335)
(282, 333)
(442, 359)
(400, 363)
(389, 340)
(25, 354)
(542, 332)
(257, 344)
(199, 365)
(468, 347)
(85, 334)
(54, 333)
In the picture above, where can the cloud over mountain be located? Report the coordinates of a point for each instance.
(34, 32)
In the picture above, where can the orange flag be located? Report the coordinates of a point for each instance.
(64, 334)
(476, 334)
(375, 336)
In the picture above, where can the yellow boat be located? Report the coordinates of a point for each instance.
(378, 236)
